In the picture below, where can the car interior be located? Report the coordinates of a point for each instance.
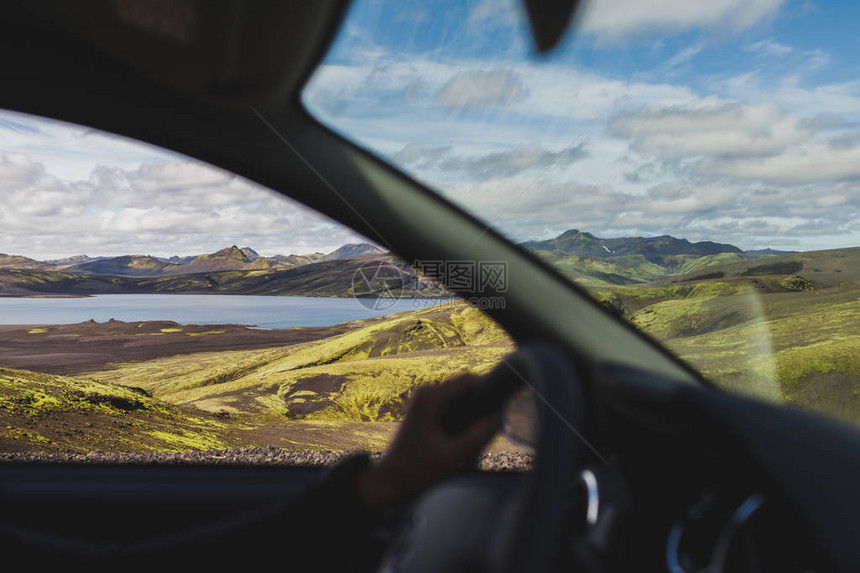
(642, 464)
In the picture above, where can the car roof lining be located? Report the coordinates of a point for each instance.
(222, 52)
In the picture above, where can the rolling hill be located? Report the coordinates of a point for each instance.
(19, 262)
(822, 268)
(785, 328)
(364, 374)
(341, 392)
(128, 265)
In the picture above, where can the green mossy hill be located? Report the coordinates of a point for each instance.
(590, 271)
(604, 269)
(43, 412)
(22, 282)
(366, 374)
(821, 268)
(783, 327)
(778, 338)
(634, 269)
(19, 262)
(628, 299)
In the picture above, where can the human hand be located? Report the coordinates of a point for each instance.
(422, 452)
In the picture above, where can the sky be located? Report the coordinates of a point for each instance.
(66, 190)
(735, 121)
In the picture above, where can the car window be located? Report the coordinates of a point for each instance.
(152, 303)
(693, 167)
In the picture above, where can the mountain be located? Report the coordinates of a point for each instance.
(19, 262)
(229, 259)
(594, 261)
(125, 266)
(250, 253)
(581, 256)
(298, 260)
(75, 260)
(335, 278)
(579, 243)
(347, 251)
(247, 259)
(770, 252)
(177, 260)
(353, 250)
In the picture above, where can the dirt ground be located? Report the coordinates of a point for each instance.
(91, 347)
(70, 349)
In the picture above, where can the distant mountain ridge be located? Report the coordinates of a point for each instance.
(581, 256)
(333, 278)
(232, 258)
(770, 252)
(595, 261)
(75, 260)
(583, 244)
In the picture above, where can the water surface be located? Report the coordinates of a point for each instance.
(261, 311)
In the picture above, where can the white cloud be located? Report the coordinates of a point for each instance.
(616, 20)
(482, 88)
(770, 47)
(815, 162)
(491, 165)
(495, 13)
(759, 143)
(163, 209)
(681, 59)
(710, 127)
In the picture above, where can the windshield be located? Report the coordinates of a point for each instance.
(692, 164)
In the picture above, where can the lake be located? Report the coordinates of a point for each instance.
(272, 312)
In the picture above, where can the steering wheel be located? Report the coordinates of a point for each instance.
(511, 525)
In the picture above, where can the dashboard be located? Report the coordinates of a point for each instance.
(669, 487)
(466, 525)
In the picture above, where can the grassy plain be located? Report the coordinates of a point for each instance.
(345, 391)
(787, 338)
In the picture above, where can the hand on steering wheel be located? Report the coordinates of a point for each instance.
(423, 452)
(461, 527)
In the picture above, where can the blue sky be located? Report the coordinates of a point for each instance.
(730, 120)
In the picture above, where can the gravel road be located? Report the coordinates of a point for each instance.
(269, 456)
